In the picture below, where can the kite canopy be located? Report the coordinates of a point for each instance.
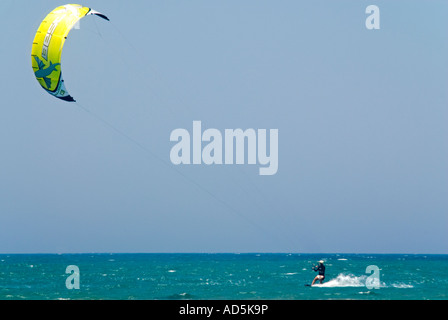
(48, 43)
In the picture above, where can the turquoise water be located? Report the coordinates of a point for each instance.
(222, 276)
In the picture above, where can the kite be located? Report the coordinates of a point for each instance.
(48, 43)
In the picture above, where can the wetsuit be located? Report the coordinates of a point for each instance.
(321, 269)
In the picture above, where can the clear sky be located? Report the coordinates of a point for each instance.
(361, 115)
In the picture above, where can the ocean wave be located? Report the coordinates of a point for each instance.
(402, 285)
(289, 273)
(349, 280)
(344, 280)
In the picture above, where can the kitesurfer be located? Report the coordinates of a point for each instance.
(321, 269)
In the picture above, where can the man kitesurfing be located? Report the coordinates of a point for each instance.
(321, 269)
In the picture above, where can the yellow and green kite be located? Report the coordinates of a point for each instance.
(48, 43)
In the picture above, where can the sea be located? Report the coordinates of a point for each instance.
(222, 276)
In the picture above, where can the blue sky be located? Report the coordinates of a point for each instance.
(361, 116)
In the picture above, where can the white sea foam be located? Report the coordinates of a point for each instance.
(344, 280)
(402, 285)
(349, 280)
